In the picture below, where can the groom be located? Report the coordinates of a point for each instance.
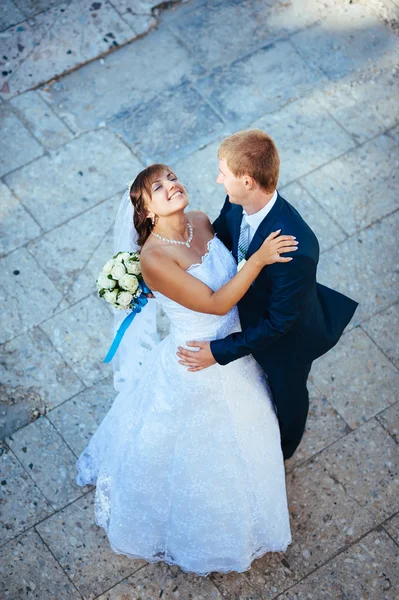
(288, 320)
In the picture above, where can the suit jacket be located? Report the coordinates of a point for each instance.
(286, 314)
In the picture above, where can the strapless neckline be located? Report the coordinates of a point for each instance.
(203, 257)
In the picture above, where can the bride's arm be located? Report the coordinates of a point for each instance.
(163, 274)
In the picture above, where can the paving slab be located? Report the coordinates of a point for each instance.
(138, 72)
(30, 571)
(82, 549)
(62, 255)
(348, 42)
(27, 295)
(16, 225)
(94, 166)
(31, 7)
(44, 47)
(153, 133)
(48, 460)
(392, 527)
(32, 362)
(9, 14)
(46, 126)
(389, 419)
(234, 586)
(366, 570)
(356, 377)
(263, 82)
(355, 268)
(366, 464)
(17, 144)
(328, 231)
(22, 503)
(82, 335)
(382, 329)
(78, 419)
(359, 188)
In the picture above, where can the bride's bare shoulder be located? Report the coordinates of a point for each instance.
(198, 217)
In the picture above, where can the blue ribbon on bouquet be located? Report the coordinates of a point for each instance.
(139, 303)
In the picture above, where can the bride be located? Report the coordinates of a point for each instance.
(188, 465)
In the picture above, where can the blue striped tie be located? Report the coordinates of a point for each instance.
(243, 241)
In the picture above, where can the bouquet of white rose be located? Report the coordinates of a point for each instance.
(121, 284)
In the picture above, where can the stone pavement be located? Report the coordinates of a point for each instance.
(321, 77)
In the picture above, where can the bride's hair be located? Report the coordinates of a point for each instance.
(140, 192)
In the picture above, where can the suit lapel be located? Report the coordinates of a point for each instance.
(265, 227)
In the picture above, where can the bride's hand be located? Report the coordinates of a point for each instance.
(275, 245)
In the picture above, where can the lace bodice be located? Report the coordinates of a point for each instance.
(216, 268)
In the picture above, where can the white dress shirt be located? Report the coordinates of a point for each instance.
(256, 219)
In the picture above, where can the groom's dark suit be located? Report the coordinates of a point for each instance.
(287, 318)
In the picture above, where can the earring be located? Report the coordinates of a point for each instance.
(153, 219)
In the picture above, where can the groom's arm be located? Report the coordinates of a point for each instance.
(291, 283)
(220, 225)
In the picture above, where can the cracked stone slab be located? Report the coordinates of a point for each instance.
(32, 362)
(366, 570)
(306, 137)
(234, 586)
(16, 225)
(324, 520)
(17, 144)
(30, 571)
(328, 232)
(62, 255)
(82, 335)
(48, 460)
(356, 377)
(9, 14)
(359, 188)
(348, 42)
(82, 549)
(392, 527)
(46, 126)
(27, 294)
(389, 419)
(355, 269)
(78, 419)
(382, 328)
(138, 72)
(366, 464)
(31, 7)
(94, 167)
(22, 503)
(151, 130)
(261, 83)
(42, 48)
(160, 581)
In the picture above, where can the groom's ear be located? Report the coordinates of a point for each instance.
(249, 182)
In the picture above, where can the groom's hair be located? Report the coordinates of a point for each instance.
(252, 152)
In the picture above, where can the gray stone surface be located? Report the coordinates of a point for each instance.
(32, 361)
(71, 536)
(30, 571)
(19, 405)
(22, 503)
(32, 7)
(94, 167)
(16, 225)
(392, 527)
(82, 334)
(367, 176)
(79, 418)
(389, 419)
(382, 328)
(48, 460)
(24, 283)
(9, 14)
(356, 377)
(17, 145)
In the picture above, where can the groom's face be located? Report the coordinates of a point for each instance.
(234, 186)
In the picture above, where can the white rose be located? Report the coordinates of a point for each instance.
(133, 267)
(104, 283)
(110, 296)
(123, 256)
(118, 271)
(129, 283)
(124, 299)
(107, 268)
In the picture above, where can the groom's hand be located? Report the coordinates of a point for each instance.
(196, 360)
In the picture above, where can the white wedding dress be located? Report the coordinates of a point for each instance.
(188, 466)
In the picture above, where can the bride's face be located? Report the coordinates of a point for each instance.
(168, 195)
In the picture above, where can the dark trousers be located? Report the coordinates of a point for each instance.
(291, 398)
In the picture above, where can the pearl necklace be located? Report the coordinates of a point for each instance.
(187, 243)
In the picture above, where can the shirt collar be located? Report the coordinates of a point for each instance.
(256, 219)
